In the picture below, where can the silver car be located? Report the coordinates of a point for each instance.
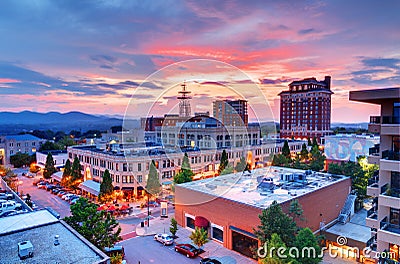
(164, 238)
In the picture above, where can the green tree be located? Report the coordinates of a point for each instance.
(65, 142)
(199, 237)
(99, 227)
(116, 259)
(309, 142)
(9, 177)
(335, 168)
(317, 159)
(296, 210)
(274, 220)
(228, 169)
(304, 152)
(314, 142)
(223, 162)
(106, 187)
(65, 180)
(50, 145)
(174, 227)
(241, 165)
(28, 200)
(286, 149)
(153, 185)
(186, 173)
(274, 244)
(49, 168)
(306, 239)
(279, 160)
(76, 174)
(21, 159)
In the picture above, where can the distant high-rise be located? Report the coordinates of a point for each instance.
(231, 112)
(184, 104)
(306, 109)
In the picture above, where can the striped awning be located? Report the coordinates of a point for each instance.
(91, 187)
(57, 176)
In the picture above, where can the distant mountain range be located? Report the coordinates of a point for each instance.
(11, 123)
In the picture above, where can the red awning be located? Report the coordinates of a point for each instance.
(101, 208)
(201, 222)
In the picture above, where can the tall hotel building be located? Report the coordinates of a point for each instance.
(384, 216)
(231, 112)
(306, 109)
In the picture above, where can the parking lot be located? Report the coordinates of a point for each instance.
(43, 198)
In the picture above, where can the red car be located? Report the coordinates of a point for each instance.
(187, 249)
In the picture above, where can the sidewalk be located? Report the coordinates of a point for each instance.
(212, 248)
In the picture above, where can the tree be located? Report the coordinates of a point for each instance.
(296, 210)
(199, 237)
(65, 142)
(309, 142)
(304, 152)
(28, 200)
(241, 165)
(274, 220)
(271, 255)
(106, 187)
(228, 169)
(76, 174)
(49, 168)
(314, 142)
(116, 259)
(335, 168)
(65, 180)
(50, 145)
(34, 168)
(223, 162)
(153, 185)
(286, 149)
(186, 173)
(99, 227)
(9, 177)
(306, 239)
(174, 227)
(279, 160)
(21, 159)
(317, 159)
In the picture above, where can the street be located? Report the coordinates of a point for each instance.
(146, 250)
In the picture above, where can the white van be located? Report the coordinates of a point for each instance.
(9, 205)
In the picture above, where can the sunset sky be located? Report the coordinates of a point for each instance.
(91, 56)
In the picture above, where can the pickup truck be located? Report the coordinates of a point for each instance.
(9, 205)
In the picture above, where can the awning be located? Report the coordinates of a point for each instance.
(243, 232)
(167, 183)
(127, 188)
(140, 188)
(57, 176)
(200, 221)
(116, 188)
(91, 187)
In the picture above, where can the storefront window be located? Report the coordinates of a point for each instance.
(218, 233)
(244, 244)
(190, 222)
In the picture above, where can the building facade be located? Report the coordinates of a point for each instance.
(13, 144)
(129, 167)
(384, 216)
(305, 109)
(229, 206)
(59, 158)
(231, 112)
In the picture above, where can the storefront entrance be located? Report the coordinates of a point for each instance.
(244, 242)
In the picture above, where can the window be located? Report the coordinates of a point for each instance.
(117, 178)
(190, 222)
(124, 179)
(139, 178)
(395, 217)
(217, 233)
(139, 167)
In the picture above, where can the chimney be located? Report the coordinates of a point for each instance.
(327, 81)
(56, 240)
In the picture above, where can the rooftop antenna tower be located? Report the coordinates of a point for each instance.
(184, 104)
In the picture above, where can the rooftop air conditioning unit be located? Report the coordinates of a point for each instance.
(25, 249)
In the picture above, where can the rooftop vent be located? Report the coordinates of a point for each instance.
(25, 249)
(56, 240)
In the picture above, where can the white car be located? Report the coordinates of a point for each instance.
(10, 205)
(164, 238)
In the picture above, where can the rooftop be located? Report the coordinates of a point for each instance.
(39, 228)
(375, 96)
(25, 137)
(265, 185)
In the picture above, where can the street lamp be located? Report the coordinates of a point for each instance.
(18, 184)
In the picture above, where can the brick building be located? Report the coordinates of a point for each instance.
(305, 110)
(231, 112)
(228, 206)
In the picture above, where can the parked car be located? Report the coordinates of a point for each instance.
(10, 205)
(6, 196)
(164, 239)
(65, 196)
(112, 251)
(8, 213)
(74, 200)
(189, 250)
(209, 261)
(61, 193)
(152, 204)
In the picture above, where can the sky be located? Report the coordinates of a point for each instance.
(99, 57)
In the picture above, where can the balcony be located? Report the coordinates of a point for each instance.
(389, 197)
(374, 155)
(388, 232)
(373, 187)
(391, 155)
(390, 120)
(374, 125)
(372, 218)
